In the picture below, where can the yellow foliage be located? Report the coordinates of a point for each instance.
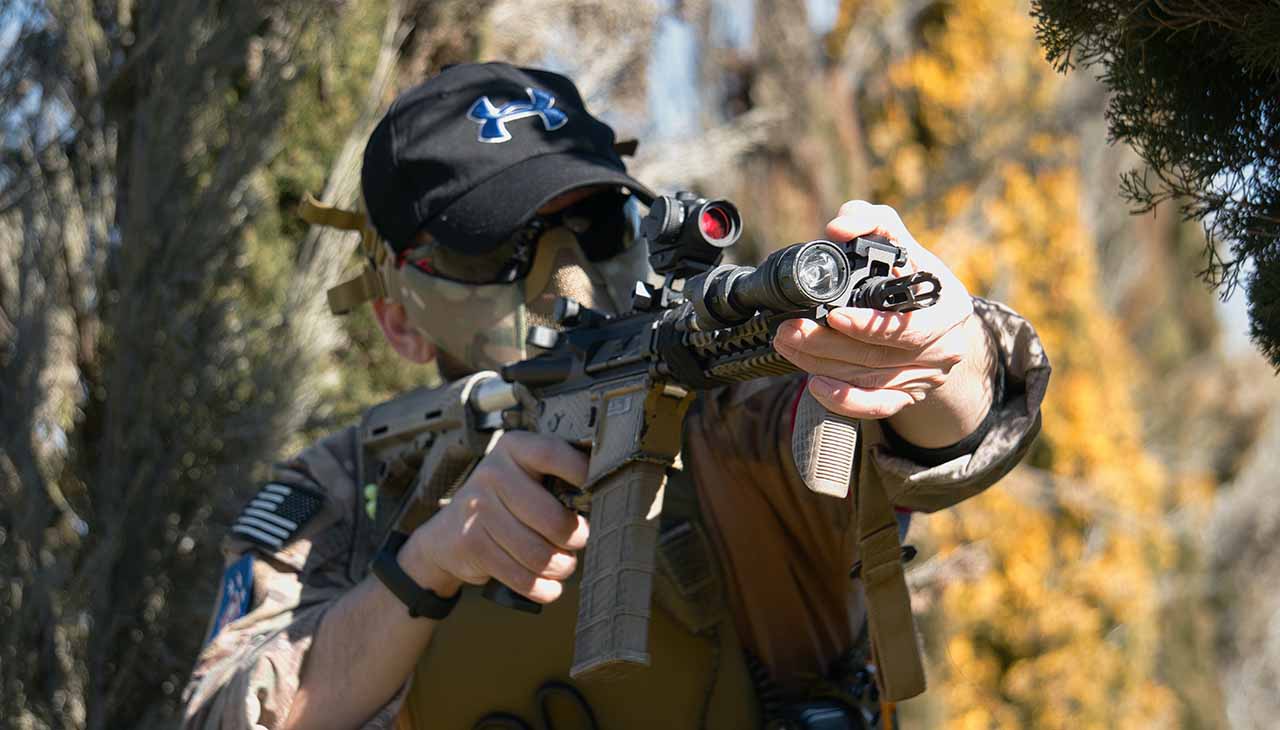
(1064, 630)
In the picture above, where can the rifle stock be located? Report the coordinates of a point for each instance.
(433, 436)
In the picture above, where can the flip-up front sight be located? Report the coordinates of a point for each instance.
(687, 234)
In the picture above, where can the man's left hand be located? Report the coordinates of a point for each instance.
(929, 371)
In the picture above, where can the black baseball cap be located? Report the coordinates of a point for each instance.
(472, 153)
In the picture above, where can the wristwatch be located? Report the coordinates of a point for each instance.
(421, 602)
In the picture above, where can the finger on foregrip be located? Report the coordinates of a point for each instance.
(823, 445)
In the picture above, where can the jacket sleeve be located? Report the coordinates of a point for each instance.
(1016, 423)
(788, 552)
(247, 675)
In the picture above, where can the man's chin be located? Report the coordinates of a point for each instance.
(452, 368)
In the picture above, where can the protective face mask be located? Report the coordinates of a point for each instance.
(484, 326)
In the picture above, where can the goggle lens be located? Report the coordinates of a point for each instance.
(600, 222)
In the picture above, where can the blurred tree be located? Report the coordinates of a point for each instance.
(1196, 90)
(162, 332)
(133, 373)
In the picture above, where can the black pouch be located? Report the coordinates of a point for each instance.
(846, 699)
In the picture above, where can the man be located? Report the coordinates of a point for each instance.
(492, 192)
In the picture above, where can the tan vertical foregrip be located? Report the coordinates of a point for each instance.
(617, 578)
(823, 445)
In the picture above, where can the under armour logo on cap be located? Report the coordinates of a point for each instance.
(493, 120)
(421, 172)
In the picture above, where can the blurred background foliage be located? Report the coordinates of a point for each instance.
(163, 335)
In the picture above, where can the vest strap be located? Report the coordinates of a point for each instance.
(318, 213)
(899, 667)
(349, 294)
(321, 214)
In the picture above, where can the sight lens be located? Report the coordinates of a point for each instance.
(715, 223)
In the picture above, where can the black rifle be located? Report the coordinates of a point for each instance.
(619, 386)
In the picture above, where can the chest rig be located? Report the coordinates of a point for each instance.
(491, 667)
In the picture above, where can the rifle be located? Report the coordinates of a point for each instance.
(619, 386)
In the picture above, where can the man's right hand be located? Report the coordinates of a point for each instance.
(504, 524)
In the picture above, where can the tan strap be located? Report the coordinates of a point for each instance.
(350, 294)
(368, 285)
(899, 666)
(317, 213)
(322, 214)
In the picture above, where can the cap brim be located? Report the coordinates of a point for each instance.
(489, 213)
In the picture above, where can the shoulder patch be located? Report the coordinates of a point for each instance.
(235, 596)
(276, 514)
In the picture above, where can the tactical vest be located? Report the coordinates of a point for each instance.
(486, 661)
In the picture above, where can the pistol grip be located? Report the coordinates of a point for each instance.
(500, 594)
(824, 445)
(612, 634)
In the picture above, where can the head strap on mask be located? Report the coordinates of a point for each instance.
(368, 285)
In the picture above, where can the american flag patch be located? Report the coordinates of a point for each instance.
(276, 514)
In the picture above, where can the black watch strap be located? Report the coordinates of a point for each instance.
(422, 602)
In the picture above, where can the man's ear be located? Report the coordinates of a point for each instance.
(400, 332)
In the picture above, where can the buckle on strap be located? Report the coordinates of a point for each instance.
(368, 285)
(909, 553)
(349, 294)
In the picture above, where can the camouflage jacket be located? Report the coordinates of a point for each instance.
(787, 553)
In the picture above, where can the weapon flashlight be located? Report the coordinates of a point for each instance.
(797, 277)
(818, 274)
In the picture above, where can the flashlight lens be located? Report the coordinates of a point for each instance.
(715, 223)
(819, 273)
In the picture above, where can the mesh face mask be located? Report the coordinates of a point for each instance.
(484, 326)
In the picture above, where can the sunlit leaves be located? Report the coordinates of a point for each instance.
(1064, 630)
